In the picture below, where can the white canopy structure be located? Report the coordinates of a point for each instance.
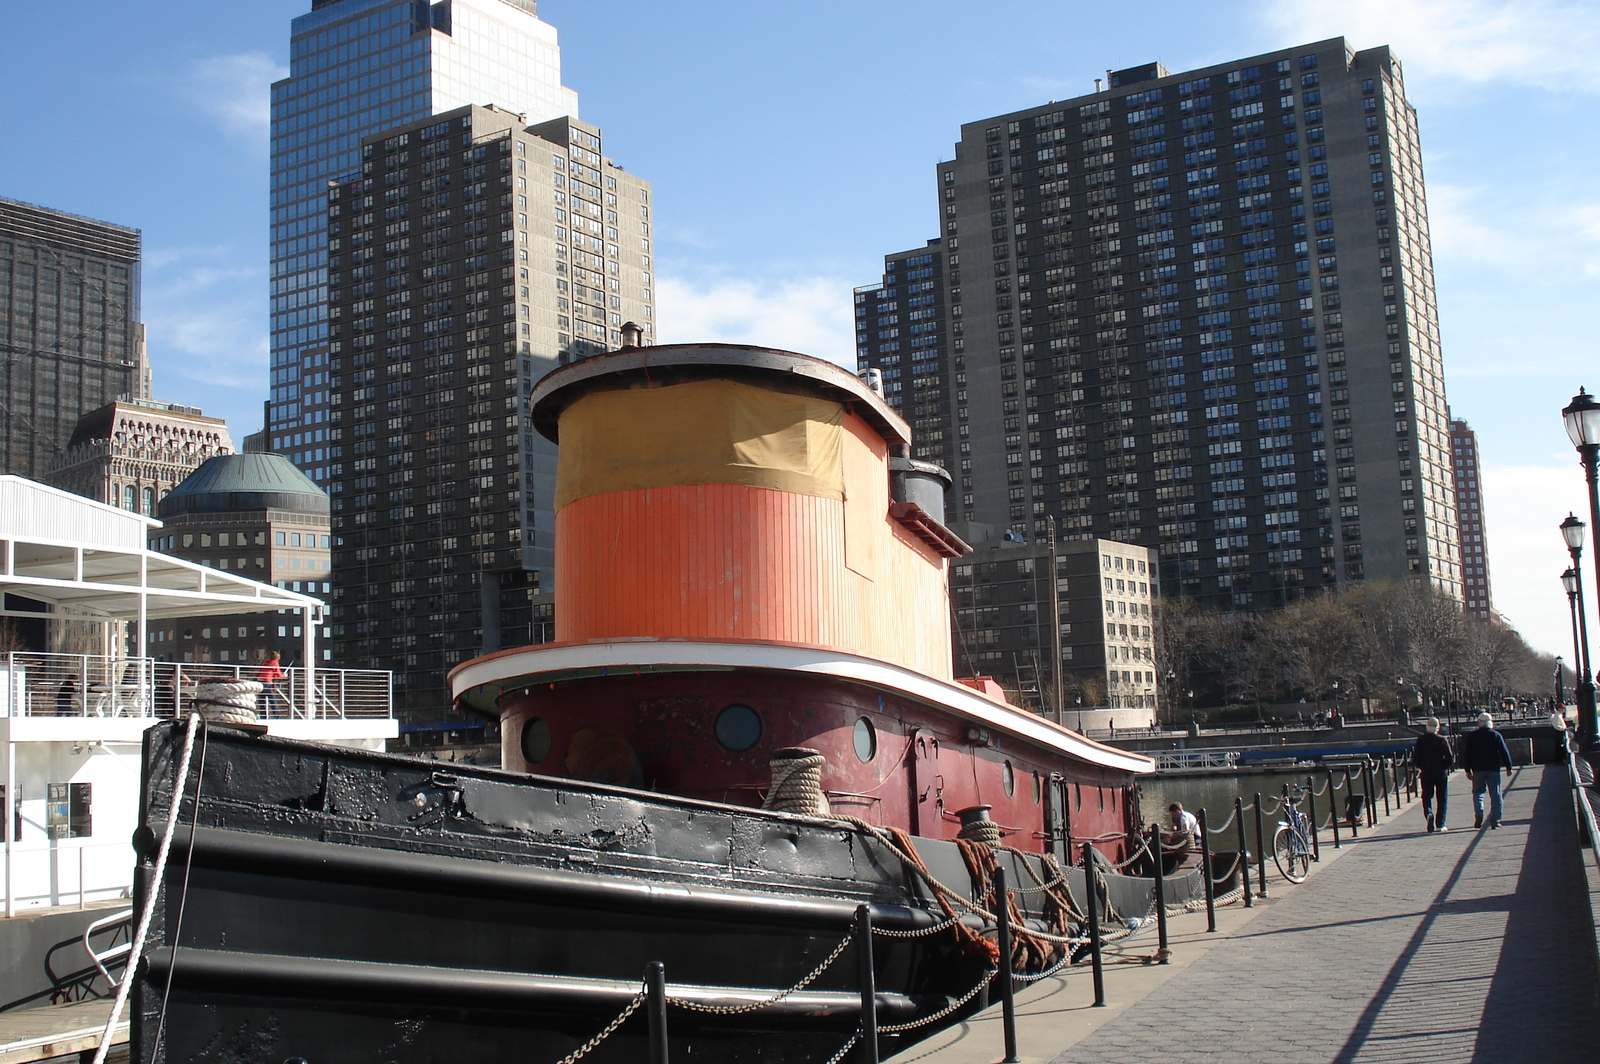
(91, 561)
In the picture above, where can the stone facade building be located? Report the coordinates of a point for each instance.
(132, 453)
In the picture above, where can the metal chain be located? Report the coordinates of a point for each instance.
(735, 1010)
(1214, 829)
(583, 1050)
(847, 1047)
(1237, 859)
(896, 1028)
(1042, 887)
(923, 932)
(1065, 960)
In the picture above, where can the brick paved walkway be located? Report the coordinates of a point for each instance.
(1409, 949)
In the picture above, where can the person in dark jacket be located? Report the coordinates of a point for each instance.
(1432, 759)
(1484, 754)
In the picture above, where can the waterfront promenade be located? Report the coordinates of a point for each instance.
(1401, 948)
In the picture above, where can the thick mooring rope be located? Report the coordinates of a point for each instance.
(797, 783)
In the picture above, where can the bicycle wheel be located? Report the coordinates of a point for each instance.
(1288, 853)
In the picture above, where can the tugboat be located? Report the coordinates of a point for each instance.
(755, 771)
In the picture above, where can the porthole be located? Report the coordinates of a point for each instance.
(535, 740)
(866, 740)
(1008, 776)
(738, 727)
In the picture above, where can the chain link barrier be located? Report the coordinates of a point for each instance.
(846, 1047)
(606, 1031)
(896, 1028)
(942, 925)
(736, 1010)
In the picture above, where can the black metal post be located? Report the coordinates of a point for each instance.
(1244, 851)
(868, 978)
(655, 983)
(1008, 990)
(1372, 804)
(1333, 809)
(1205, 871)
(1161, 892)
(1383, 781)
(1261, 852)
(1589, 723)
(1091, 889)
(1316, 832)
(1355, 821)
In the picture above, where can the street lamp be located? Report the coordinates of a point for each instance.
(1559, 699)
(1572, 531)
(1582, 417)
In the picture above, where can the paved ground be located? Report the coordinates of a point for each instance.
(1409, 948)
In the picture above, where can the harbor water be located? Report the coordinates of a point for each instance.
(1215, 792)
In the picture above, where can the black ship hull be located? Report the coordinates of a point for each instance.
(325, 904)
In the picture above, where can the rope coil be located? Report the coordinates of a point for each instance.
(797, 782)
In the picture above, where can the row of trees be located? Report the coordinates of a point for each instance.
(1381, 642)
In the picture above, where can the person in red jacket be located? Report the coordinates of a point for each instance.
(271, 673)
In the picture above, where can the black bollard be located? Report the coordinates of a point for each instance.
(1333, 809)
(1311, 819)
(1355, 821)
(655, 982)
(1008, 989)
(1244, 851)
(1372, 804)
(1383, 780)
(1261, 852)
(868, 977)
(1093, 891)
(1161, 892)
(1205, 867)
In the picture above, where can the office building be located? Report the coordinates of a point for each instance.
(1193, 312)
(132, 453)
(1107, 591)
(1469, 504)
(357, 67)
(249, 515)
(70, 337)
(472, 254)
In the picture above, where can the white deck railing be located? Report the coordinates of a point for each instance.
(87, 685)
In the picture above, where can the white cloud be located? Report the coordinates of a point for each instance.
(1523, 505)
(810, 315)
(237, 91)
(1536, 42)
(206, 329)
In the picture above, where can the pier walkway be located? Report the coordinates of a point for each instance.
(1401, 948)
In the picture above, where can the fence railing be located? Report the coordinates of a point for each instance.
(88, 685)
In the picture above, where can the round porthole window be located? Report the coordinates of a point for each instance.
(738, 727)
(866, 740)
(535, 740)
(1008, 776)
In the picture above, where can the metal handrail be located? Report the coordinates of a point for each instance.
(119, 951)
(1580, 801)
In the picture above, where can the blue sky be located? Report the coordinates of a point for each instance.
(792, 145)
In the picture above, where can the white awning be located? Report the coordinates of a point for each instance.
(90, 559)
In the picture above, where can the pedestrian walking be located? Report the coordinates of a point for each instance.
(1484, 754)
(1432, 759)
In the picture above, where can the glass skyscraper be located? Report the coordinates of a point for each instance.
(358, 67)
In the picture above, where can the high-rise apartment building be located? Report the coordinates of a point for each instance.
(357, 67)
(1194, 312)
(70, 337)
(133, 452)
(1469, 504)
(470, 256)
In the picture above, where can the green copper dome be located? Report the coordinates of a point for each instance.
(234, 482)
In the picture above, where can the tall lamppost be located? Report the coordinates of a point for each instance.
(1572, 531)
(1559, 699)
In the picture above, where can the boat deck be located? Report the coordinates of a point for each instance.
(59, 1031)
(1401, 947)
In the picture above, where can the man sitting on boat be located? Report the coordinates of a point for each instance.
(1177, 843)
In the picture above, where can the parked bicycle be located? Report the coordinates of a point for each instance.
(1291, 844)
